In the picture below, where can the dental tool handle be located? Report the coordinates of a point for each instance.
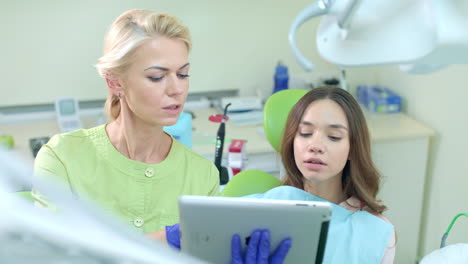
(219, 145)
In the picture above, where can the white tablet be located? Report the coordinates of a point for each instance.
(208, 223)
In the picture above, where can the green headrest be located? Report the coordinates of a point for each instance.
(276, 111)
(249, 182)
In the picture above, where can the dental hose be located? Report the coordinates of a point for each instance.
(444, 237)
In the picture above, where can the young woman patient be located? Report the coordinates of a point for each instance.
(326, 154)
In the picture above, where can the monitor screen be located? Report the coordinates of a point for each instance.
(67, 107)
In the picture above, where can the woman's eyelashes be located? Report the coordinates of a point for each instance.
(155, 78)
(334, 138)
(160, 78)
(309, 134)
(302, 134)
(183, 76)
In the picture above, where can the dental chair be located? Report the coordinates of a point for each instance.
(275, 114)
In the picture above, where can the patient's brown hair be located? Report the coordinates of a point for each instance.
(360, 177)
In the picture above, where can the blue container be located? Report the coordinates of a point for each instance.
(379, 99)
(182, 129)
(281, 78)
(362, 94)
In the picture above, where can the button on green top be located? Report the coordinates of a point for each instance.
(149, 172)
(138, 222)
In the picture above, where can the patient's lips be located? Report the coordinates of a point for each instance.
(314, 164)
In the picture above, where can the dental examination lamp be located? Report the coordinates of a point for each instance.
(421, 36)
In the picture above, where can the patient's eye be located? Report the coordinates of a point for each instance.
(305, 134)
(334, 138)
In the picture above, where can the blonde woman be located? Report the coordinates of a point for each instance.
(130, 166)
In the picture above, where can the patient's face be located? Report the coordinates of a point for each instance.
(321, 144)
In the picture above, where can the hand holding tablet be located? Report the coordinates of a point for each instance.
(258, 249)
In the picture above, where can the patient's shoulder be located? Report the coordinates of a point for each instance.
(353, 204)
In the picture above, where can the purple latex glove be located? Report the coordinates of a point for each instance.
(258, 249)
(173, 235)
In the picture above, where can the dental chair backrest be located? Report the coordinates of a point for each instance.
(275, 114)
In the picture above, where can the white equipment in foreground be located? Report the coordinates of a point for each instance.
(76, 233)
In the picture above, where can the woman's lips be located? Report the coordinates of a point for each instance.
(314, 164)
(172, 109)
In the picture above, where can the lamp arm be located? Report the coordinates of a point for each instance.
(316, 9)
(344, 20)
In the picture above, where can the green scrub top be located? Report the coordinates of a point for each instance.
(143, 195)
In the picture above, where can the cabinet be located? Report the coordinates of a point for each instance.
(400, 147)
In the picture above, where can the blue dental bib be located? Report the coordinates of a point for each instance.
(353, 237)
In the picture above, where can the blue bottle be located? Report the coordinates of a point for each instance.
(281, 78)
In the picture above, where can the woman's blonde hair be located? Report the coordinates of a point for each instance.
(127, 32)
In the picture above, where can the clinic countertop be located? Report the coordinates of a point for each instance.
(382, 127)
(395, 126)
(204, 135)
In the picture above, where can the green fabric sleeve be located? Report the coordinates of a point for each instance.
(214, 173)
(49, 167)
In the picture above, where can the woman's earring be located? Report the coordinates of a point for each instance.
(118, 95)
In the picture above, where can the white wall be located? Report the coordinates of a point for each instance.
(439, 100)
(49, 47)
